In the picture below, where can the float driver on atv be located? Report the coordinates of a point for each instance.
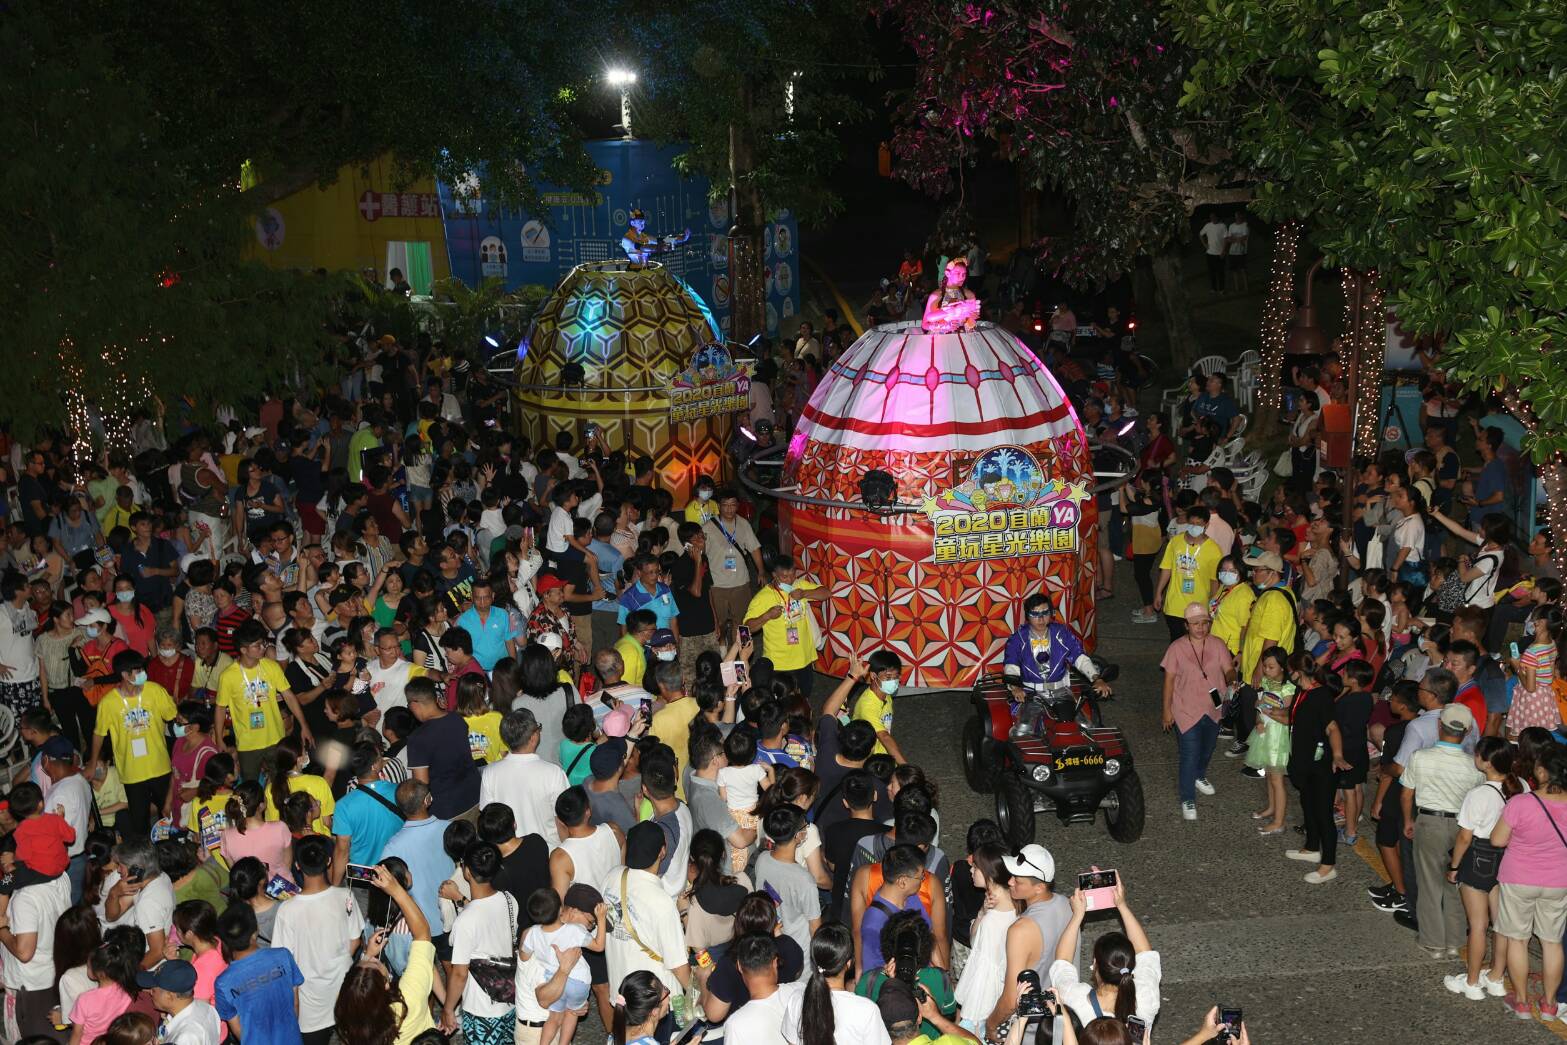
(1036, 661)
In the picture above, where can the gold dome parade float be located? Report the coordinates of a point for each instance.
(655, 377)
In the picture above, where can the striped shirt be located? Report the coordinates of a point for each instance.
(1542, 658)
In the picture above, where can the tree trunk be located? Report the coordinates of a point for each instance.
(747, 288)
(1170, 292)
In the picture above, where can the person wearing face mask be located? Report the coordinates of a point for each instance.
(874, 704)
(132, 715)
(95, 673)
(1187, 570)
(136, 621)
(193, 747)
(781, 612)
(169, 667)
(702, 507)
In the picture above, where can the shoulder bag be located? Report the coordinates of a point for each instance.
(497, 977)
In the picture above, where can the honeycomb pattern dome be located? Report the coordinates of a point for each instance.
(631, 329)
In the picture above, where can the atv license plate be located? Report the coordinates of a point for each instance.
(1074, 761)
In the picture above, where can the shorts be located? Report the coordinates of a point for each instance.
(1390, 828)
(1478, 866)
(1354, 776)
(598, 966)
(572, 997)
(1531, 910)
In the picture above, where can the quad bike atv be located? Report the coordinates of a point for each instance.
(1072, 765)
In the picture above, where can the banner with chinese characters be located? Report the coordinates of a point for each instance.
(1006, 508)
(712, 384)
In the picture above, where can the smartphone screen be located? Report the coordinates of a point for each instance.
(1136, 1030)
(744, 634)
(359, 873)
(1230, 1018)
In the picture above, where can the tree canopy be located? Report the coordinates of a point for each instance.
(1084, 98)
(127, 133)
(1425, 140)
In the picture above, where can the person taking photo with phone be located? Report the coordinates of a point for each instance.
(1124, 979)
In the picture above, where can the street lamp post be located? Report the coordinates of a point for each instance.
(623, 79)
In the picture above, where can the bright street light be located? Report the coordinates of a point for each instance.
(623, 79)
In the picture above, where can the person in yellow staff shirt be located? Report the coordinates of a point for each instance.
(702, 507)
(248, 692)
(874, 705)
(780, 612)
(134, 715)
(640, 625)
(1187, 570)
(1230, 605)
(283, 767)
(1272, 621)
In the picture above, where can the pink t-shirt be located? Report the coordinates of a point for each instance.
(209, 967)
(96, 1009)
(1196, 667)
(188, 765)
(267, 843)
(1534, 854)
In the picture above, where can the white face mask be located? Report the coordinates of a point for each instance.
(1229, 577)
(1195, 530)
(704, 495)
(665, 654)
(168, 652)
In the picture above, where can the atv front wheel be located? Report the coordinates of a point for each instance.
(1125, 810)
(1015, 808)
(977, 767)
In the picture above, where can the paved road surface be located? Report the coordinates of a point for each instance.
(1233, 919)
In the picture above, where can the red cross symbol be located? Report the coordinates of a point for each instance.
(369, 205)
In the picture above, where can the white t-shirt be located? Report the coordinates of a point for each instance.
(387, 684)
(16, 643)
(74, 793)
(742, 785)
(197, 1024)
(74, 983)
(153, 909)
(318, 930)
(1238, 233)
(856, 1020)
(559, 531)
(484, 930)
(1482, 808)
(759, 1021)
(1213, 238)
(648, 908)
(35, 909)
(1481, 592)
(536, 941)
(1410, 533)
(1147, 971)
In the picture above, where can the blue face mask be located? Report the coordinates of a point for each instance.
(785, 588)
(124, 596)
(139, 679)
(179, 730)
(1195, 530)
(889, 686)
(92, 632)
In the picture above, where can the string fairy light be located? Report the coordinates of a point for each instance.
(1372, 348)
(1277, 311)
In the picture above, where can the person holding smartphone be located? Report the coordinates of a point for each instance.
(1124, 981)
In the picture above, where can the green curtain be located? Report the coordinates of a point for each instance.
(420, 271)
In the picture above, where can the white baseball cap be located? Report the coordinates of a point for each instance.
(1032, 861)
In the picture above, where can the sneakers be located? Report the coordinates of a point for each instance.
(1226, 730)
(1304, 855)
(1317, 877)
(1253, 772)
(1378, 891)
(1405, 918)
(1203, 787)
(1520, 1010)
(1389, 903)
(1459, 983)
(1188, 810)
(1236, 750)
(1495, 988)
(1550, 1014)
(1145, 617)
